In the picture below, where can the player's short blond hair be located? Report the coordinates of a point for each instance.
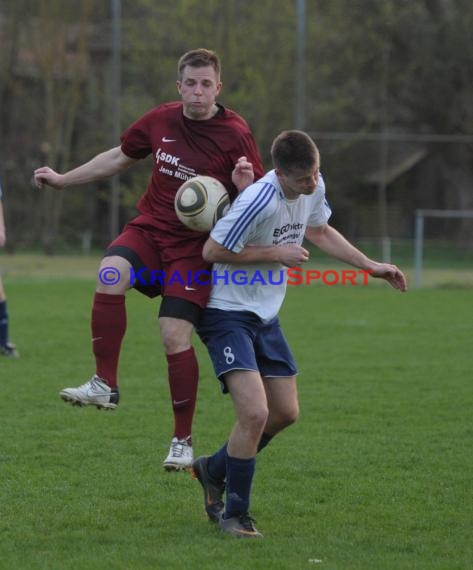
(200, 57)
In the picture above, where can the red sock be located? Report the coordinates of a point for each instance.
(183, 372)
(108, 330)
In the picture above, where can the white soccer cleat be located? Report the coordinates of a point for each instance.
(180, 455)
(95, 392)
(9, 350)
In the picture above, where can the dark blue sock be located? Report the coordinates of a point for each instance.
(263, 442)
(239, 477)
(217, 465)
(3, 323)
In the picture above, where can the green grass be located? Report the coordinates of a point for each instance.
(376, 475)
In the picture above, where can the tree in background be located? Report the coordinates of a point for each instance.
(400, 64)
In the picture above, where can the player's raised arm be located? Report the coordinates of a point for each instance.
(330, 241)
(243, 174)
(103, 165)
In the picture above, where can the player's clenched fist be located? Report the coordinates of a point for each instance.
(292, 254)
(46, 175)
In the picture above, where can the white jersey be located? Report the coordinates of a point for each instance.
(262, 215)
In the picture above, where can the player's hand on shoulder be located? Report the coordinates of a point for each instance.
(47, 176)
(243, 174)
(391, 273)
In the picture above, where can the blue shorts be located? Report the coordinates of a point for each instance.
(240, 340)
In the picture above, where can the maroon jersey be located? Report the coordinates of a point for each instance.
(183, 148)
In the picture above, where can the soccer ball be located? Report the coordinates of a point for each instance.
(200, 202)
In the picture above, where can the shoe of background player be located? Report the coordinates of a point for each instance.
(213, 488)
(241, 526)
(95, 392)
(180, 455)
(9, 350)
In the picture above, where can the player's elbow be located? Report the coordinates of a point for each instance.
(211, 251)
(208, 252)
(317, 235)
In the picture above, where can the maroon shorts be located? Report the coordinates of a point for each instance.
(159, 269)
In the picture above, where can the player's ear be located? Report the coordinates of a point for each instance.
(280, 174)
(219, 87)
(178, 86)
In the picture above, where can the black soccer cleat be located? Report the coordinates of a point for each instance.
(213, 488)
(241, 526)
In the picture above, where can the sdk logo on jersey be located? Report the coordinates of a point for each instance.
(167, 158)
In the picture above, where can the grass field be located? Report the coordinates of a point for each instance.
(376, 475)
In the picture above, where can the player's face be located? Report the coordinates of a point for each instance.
(298, 182)
(198, 89)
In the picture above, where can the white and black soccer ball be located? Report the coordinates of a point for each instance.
(200, 202)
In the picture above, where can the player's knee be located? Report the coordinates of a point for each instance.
(113, 277)
(176, 334)
(289, 415)
(175, 343)
(256, 419)
(292, 415)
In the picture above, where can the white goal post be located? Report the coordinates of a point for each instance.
(419, 234)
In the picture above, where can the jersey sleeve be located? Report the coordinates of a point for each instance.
(247, 147)
(136, 140)
(321, 211)
(242, 142)
(240, 225)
